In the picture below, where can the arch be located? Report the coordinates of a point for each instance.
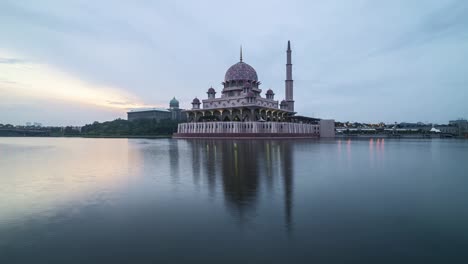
(246, 116)
(216, 116)
(226, 116)
(256, 116)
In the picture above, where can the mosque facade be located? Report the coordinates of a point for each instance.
(242, 111)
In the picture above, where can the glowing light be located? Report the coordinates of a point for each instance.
(34, 80)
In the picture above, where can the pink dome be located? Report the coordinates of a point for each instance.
(241, 71)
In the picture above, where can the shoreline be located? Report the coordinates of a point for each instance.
(94, 136)
(356, 137)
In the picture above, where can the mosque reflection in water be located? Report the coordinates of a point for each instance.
(242, 169)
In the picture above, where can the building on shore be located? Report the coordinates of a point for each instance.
(461, 126)
(158, 114)
(242, 111)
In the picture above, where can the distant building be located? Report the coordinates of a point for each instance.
(461, 125)
(158, 114)
(448, 129)
(176, 112)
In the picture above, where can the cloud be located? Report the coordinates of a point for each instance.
(32, 80)
(11, 61)
(361, 51)
(432, 27)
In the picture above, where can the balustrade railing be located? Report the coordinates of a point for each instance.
(248, 127)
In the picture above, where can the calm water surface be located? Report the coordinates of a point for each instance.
(71, 200)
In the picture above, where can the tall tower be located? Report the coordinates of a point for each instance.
(289, 80)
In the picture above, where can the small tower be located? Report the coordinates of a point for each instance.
(289, 81)
(196, 103)
(251, 98)
(283, 105)
(247, 87)
(270, 95)
(211, 93)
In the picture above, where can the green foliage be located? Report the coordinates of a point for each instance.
(120, 127)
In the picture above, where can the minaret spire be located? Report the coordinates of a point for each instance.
(241, 53)
(289, 81)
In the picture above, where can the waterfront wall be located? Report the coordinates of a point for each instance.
(327, 128)
(248, 129)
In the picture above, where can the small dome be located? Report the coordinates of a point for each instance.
(241, 71)
(195, 101)
(211, 90)
(270, 92)
(174, 103)
(250, 94)
(283, 102)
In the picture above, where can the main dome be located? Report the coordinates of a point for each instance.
(241, 71)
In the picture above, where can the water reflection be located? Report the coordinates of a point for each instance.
(376, 151)
(186, 201)
(42, 176)
(174, 160)
(244, 169)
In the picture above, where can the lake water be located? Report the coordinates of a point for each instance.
(73, 200)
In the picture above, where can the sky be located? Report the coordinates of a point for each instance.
(75, 62)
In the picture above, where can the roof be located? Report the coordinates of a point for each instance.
(137, 110)
(299, 117)
(241, 71)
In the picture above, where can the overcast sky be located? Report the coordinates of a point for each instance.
(74, 62)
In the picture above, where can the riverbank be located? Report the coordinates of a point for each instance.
(398, 136)
(95, 136)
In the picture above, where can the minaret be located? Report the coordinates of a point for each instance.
(289, 80)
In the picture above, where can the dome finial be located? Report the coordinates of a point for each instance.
(241, 53)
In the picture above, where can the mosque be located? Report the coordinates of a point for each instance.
(242, 112)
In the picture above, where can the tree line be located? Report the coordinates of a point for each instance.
(121, 127)
(118, 127)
